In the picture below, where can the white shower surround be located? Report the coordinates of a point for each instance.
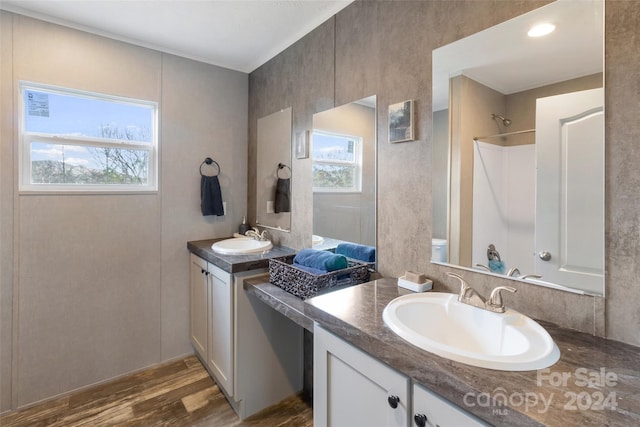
(504, 204)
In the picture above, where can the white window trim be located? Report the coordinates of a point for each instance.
(26, 187)
(357, 162)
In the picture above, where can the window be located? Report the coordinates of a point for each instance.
(337, 162)
(72, 140)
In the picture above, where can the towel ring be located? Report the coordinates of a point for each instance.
(280, 167)
(209, 161)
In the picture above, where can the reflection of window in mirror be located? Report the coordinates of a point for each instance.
(337, 162)
(343, 157)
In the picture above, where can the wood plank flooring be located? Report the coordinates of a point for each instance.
(179, 393)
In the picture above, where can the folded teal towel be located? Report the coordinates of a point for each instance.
(321, 260)
(496, 266)
(360, 252)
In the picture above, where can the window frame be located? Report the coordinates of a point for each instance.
(357, 163)
(27, 138)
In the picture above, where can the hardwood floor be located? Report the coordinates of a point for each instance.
(179, 393)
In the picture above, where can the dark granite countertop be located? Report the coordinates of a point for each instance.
(237, 263)
(591, 372)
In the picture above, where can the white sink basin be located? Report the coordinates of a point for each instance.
(241, 246)
(438, 323)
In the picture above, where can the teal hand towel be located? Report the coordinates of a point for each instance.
(355, 251)
(321, 260)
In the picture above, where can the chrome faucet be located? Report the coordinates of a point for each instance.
(256, 235)
(495, 302)
(470, 296)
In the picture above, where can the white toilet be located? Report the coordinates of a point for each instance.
(439, 250)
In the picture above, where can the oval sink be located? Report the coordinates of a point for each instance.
(440, 324)
(240, 246)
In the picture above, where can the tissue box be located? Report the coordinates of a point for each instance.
(305, 285)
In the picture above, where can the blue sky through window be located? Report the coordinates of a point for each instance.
(79, 116)
(333, 147)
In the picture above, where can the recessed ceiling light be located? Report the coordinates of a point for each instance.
(541, 30)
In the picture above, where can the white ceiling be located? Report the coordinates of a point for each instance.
(237, 34)
(504, 58)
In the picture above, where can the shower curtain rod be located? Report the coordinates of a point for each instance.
(476, 138)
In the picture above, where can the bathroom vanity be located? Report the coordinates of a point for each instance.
(347, 381)
(595, 382)
(254, 353)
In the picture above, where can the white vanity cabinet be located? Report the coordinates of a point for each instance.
(254, 353)
(352, 388)
(211, 319)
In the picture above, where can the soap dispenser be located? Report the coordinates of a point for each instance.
(244, 227)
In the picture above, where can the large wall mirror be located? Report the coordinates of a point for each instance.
(518, 157)
(273, 171)
(343, 155)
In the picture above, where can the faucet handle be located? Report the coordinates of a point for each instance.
(464, 286)
(495, 299)
(513, 271)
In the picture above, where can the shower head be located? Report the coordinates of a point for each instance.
(505, 122)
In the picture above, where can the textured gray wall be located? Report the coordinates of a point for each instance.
(384, 48)
(6, 211)
(304, 82)
(96, 286)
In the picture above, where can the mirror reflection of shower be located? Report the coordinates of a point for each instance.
(505, 122)
(498, 118)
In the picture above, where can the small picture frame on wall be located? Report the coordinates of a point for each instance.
(401, 122)
(302, 145)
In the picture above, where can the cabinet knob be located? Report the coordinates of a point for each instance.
(420, 420)
(202, 270)
(393, 401)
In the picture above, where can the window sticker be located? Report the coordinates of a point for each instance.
(37, 104)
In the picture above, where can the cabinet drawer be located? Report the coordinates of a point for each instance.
(439, 412)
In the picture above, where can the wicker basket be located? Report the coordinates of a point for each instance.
(305, 285)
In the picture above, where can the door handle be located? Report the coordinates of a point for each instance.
(545, 256)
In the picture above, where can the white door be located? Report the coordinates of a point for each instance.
(570, 189)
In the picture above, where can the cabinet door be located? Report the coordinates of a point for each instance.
(430, 409)
(221, 327)
(198, 305)
(352, 388)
